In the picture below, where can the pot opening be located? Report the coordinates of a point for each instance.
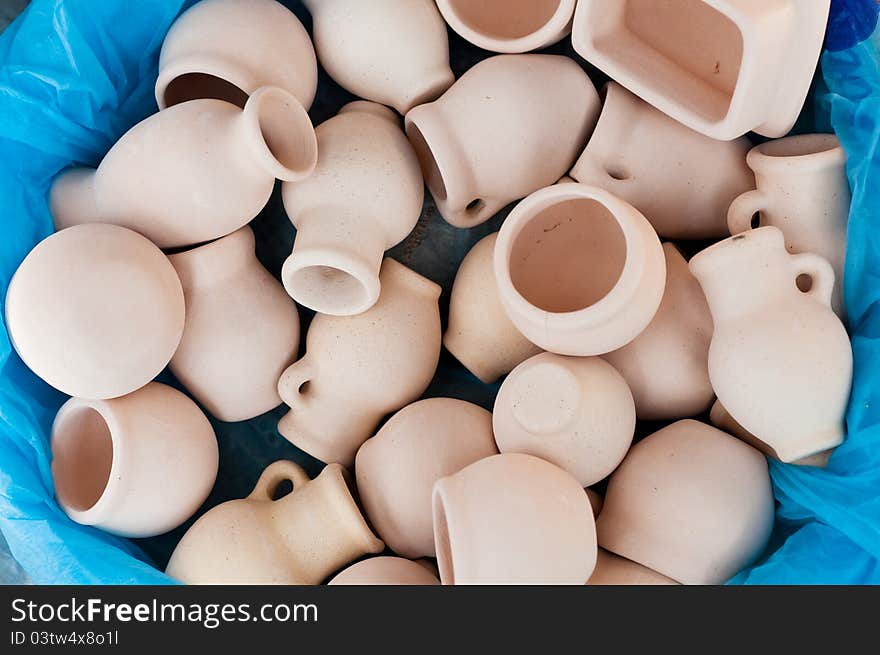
(569, 256)
(192, 86)
(82, 456)
(800, 146)
(427, 162)
(329, 290)
(505, 19)
(441, 542)
(287, 132)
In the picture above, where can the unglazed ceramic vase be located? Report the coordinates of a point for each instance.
(193, 172)
(358, 368)
(391, 51)
(299, 539)
(242, 329)
(511, 125)
(612, 570)
(135, 466)
(721, 67)
(96, 311)
(689, 502)
(386, 571)
(780, 359)
(802, 190)
(364, 197)
(513, 519)
(575, 412)
(579, 271)
(509, 26)
(396, 470)
(681, 180)
(480, 334)
(667, 365)
(227, 49)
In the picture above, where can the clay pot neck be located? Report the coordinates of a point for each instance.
(796, 156)
(218, 260)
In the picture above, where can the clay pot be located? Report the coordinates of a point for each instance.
(135, 466)
(95, 310)
(596, 501)
(386, 571)
(802, 190)
(511, 125)
(613, 570)
(396, 469)
(364, 197)
(505, 26)
(391, 51)
(193, 172)
(689, 502)
(579, 271)
(513, 519)
(681, 180)
(667, 365)
(721, 67)
(241, 330)
(480, 335)
(227, 49)
(299, 539)
(780, 359)
(358, 368)
(575, 412)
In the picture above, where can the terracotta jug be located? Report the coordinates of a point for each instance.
(387, 571)
(575, 412)
(193, 172)
(358, 368)
(689, 502)
(780, 359)
(396, 469)
(802, 190)
(96, 311)
(681, 180)
(513, 519)
(612, 570)
(505, 26)
(391, 51)
(364, 197)
(135, 466)
(579, 271)
(511, 125)
(721, 67)
(241, 329)
(299, 539)
(480, 335)
(227, 49)
(667, 365)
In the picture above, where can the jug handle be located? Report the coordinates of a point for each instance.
(275, 474)
(821, 272)
(744, 206)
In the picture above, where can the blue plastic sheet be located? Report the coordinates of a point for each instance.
(75, 74)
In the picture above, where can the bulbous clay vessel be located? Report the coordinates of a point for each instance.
(802, 190)
(241, 330)
(575, 412)
(689, 502)
(391, 51)
(386, 571)
(227, 49)
(596, 501)
(193, 172)
(136, 466)
(511, 125)
(667, 365)
(780, 359)
(359, 368)
(364, 197)
(480, 334)
(681, 180)
(95, 310)
(505, 26)
(721, 67)
(299, 539)
(579, 271)
(613, 570)
(396, 469)
(513, 519)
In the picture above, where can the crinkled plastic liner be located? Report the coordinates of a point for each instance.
(75, 74)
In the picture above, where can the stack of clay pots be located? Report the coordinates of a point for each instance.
(584, 302)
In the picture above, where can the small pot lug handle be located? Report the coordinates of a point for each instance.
(274, 475)
(821, 273)
(742, 209)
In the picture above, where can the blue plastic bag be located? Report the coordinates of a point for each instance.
(75, 74)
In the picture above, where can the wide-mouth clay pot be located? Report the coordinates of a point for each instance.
(387, 571)
(579, 271)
